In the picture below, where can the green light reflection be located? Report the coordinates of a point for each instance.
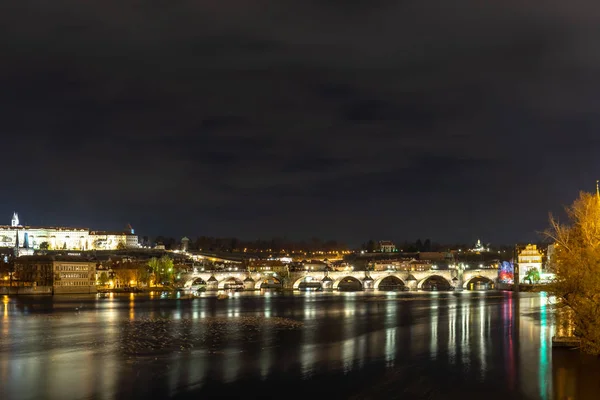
(543, 371)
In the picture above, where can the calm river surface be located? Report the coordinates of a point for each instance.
(462, 345)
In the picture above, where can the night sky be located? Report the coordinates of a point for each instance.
(344, 119)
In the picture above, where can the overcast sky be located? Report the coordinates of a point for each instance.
(453, 120)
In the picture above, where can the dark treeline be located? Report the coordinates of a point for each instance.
(428, 246)
(406, 246)
(208, 243)
(216, 244)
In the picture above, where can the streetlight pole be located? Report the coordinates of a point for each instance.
(516, 279)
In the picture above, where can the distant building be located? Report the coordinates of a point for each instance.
(479, 247)
(28, 238)
(529, 257)
(64, 273)
(386, 246)
(185, 244)
(402, 265)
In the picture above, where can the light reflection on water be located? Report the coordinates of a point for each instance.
(493, 339)
(483, 330)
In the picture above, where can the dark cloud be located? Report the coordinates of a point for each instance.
(352, 120)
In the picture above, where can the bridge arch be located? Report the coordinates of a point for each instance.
(268, 282)
(389, 282)
(434, 282)
(348, 283)
(196, 280)
(304, 281)
(479, 283)
(231, 283)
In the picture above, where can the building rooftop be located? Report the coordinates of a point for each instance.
(50, 258)
(33, 227)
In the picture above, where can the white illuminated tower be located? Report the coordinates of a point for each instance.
(15, 220)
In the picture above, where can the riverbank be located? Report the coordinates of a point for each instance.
(523, 287)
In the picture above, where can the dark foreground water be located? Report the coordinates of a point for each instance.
(463, 345)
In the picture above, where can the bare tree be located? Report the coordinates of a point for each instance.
(577, 266)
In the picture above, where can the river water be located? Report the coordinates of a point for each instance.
(359, 345)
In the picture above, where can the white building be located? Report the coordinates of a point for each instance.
(63, 238)
(479, 247)
(385, 246)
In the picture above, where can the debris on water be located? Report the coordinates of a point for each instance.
(148, 336)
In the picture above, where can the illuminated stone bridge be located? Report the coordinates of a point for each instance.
(480, 279)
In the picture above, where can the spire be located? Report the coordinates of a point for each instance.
(15, 220)
(598, 189)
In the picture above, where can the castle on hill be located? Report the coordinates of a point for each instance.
(18, 236)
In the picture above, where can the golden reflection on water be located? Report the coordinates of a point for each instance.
(5, 301)
(131, 306)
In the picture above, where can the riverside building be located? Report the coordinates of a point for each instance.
(64, 274)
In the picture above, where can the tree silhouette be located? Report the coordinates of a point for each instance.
(103, 278)
(419, 245)
(371, 246)
(427, 245)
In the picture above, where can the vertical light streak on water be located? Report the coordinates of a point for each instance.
(131, 306)
(390, 347)
(482, 341)
(4, 363)
(452, 334)
(232, 364)
(177, 312)
(543, 372)
(509, 326)
(111, 318)
(267, 305)
(391, 321)
(175, 373)
(362, 351)
(196, 370)
(5, 322)
(266, 356)
(307, 349)
(465, 339)
(433, 324)
(349, 343)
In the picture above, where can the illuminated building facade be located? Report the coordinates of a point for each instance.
(529, 257)
(65, 274)
(385, 246)
(63, 238)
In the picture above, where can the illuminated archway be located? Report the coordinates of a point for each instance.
(231, 283)
(390, 283)
(348, 284)
(479, 283)
(268, 282)
(308, 283)
(434, 282)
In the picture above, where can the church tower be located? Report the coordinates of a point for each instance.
(15, 220)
